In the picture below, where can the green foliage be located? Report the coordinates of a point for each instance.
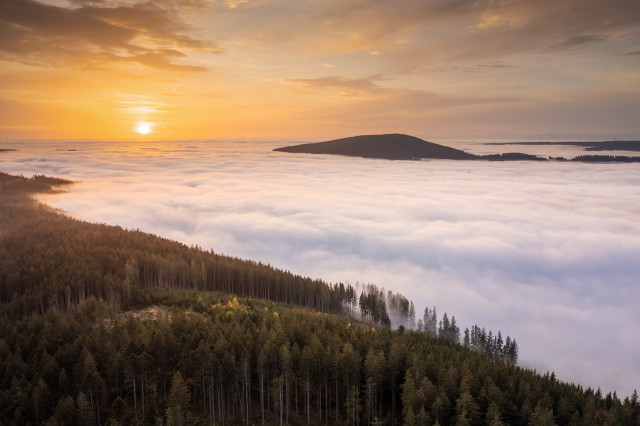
(182, 364)
(542, 416)
(178, 404)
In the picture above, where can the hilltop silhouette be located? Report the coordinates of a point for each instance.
(397, 146)
(390, 146)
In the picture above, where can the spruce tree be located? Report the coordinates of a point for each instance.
(178, 405)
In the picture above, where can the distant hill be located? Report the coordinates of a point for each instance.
(390, 146)
(396, 146)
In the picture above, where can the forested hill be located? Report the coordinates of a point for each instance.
(390, 146)
(52, 260)
(100, 325)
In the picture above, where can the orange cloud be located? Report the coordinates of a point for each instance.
(344, 86)
(144, 33)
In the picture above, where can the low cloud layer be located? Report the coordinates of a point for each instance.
(544, 252)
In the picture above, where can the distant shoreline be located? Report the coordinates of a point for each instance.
(589, 146)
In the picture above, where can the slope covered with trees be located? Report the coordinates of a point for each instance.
(99, 325)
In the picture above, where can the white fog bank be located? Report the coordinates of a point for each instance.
(546, 252)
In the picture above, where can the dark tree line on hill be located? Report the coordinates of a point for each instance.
(510, 156)
(518, 156)
(600, 159)
(49, 260)
(606, 158)
(492, 346)
(99, 325)
(373, 306)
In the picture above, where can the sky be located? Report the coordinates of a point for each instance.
(546, 252)
(319, 69)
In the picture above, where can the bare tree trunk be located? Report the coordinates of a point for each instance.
(326, 401)
(212, 398)
(262, 394)
(308, 390)
(287, 394)
(142, 391)
(281, 398)
(337, 400)
(135, 399)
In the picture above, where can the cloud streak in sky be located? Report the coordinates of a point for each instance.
(468, 28)
(152, 34)
(544, 252)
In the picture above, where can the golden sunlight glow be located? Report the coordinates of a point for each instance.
(200, 71)
(144, 128)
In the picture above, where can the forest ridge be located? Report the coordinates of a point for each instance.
(236, 342)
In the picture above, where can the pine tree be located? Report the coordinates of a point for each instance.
(499, 349)
(119, 410)
(423, 418)
(85, 413)
(65, 412)
(353, 406)
(466, 409)
(412, 316)
(41, 399)
(408, 400)
(430, 322)
(178, 405)
(541, 416)
(454, 330)
(493, 416)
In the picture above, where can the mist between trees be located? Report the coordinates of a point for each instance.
(116, 265)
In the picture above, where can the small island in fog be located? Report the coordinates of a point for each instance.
(396, 146)
(390, 146)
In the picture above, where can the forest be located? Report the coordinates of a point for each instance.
(102, 325)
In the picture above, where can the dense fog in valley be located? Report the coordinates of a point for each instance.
(546, 252)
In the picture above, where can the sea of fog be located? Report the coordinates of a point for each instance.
(548, 253)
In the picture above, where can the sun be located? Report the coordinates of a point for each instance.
(144, 128)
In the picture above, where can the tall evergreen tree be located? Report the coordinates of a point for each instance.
(178, 405)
